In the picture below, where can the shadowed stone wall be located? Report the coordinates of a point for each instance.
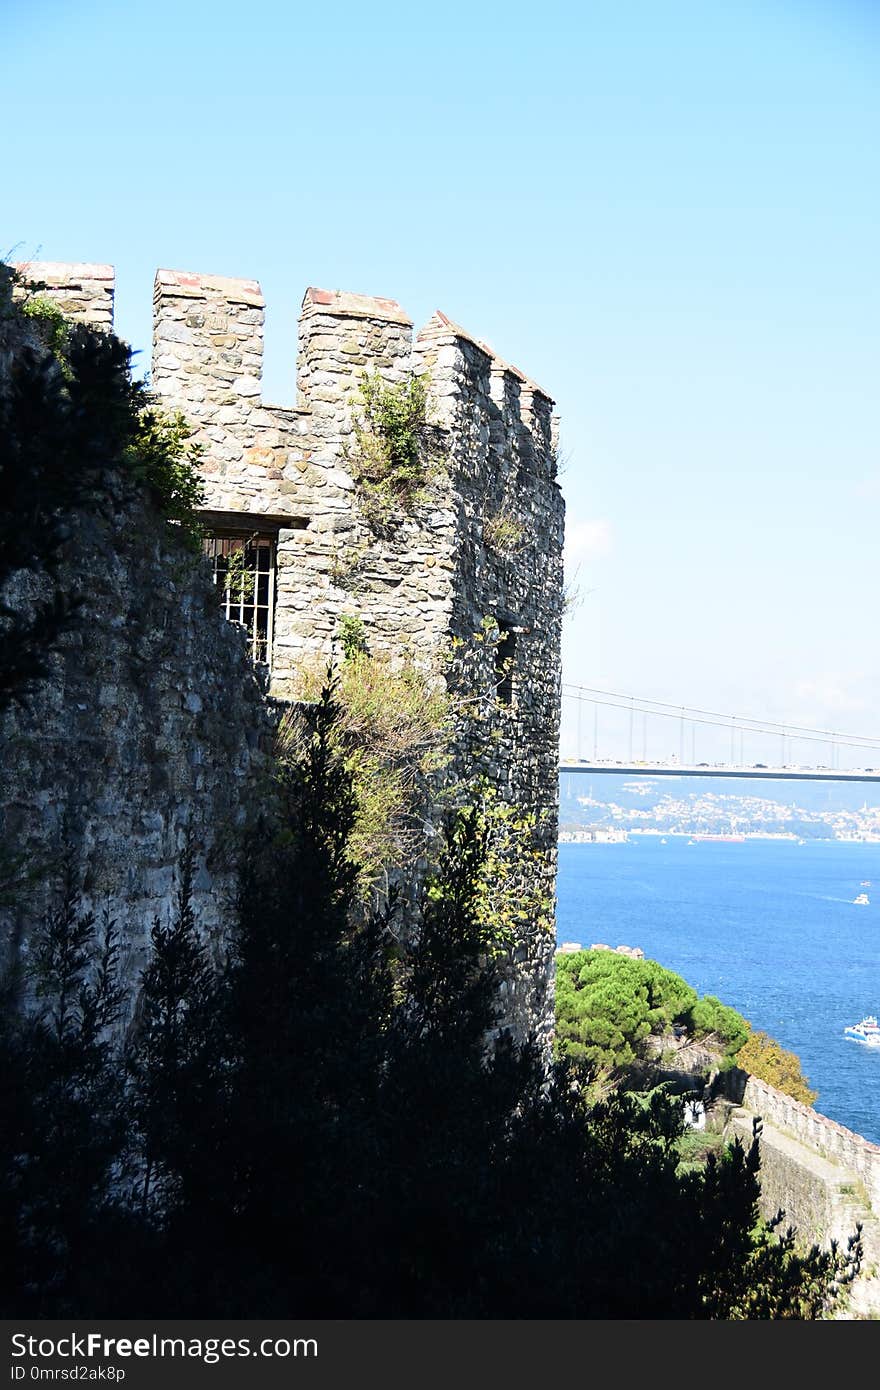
(151, 727)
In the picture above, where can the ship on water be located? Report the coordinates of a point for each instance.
(868, 1031)
(731, 839)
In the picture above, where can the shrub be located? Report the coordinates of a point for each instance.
(393, 731)
(762, 1057)
(503, 532)
(161, 457)
(394, 456)
(52, 324)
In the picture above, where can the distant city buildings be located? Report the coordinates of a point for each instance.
(712, 813)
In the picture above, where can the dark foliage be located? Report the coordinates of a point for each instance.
(62, 1119)
(62, 434)
(168, 1059)
(319, 1128)
(76, 435)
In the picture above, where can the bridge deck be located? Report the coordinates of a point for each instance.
(775, 774)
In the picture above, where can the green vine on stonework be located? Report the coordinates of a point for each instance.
(394, 456)
(163, 458)
(511, 901)
(417, 740)
(503, 533)
(477, 667)
(53, 326)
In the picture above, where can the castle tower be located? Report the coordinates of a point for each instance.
(475, 561)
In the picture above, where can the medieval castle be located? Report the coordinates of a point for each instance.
(284, 500)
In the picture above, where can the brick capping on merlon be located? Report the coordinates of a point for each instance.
(83, 290)
(65, 272)
(344, 304)
(191, 285)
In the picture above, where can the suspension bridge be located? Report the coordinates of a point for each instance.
(657, 738)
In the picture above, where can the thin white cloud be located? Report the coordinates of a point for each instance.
(585, 539)
(832, 693)
(869, 489)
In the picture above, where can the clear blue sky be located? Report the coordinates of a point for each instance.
(666, 213)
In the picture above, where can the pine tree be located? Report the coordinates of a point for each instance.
(169, 1062)
(62, 1121)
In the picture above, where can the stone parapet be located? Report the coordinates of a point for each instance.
(150, 730)
(823, 1176)
(827, 1137)
(82, 291)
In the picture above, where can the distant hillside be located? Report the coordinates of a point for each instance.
(808, 809)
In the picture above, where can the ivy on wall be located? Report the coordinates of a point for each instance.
(395, 455)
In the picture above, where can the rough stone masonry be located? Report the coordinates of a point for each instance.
(484, 543)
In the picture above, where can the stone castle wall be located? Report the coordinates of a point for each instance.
(485, 542)
(439, 571)
(827, 1137)
(826, 1178)
(151, 727)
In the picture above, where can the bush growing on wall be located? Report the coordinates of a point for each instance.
(394, 455)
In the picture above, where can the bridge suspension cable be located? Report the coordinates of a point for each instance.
(714, 718)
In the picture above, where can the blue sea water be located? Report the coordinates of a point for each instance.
(768, 926)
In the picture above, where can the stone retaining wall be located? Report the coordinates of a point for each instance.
(833, 1141)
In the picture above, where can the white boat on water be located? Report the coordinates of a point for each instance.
(868, 1031)
(861, 901)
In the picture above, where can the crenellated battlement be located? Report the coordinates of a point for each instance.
(482, 539)
(208, 350)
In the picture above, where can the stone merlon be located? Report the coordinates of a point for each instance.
(440, 325)
(83, 290)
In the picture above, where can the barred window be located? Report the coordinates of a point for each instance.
(243, 566)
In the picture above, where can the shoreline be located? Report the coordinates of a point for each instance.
(623, 837)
